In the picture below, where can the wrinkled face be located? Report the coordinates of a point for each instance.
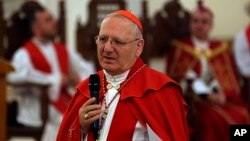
(117, 45)
(201, 25)
(45, 25)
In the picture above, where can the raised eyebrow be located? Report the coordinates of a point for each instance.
(103, 36)
(118, 40)
(114, 38)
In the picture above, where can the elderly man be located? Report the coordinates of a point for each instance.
(210, 67)
(136, 102)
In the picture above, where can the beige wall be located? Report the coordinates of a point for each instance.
(77, 9)
(230, 16)
(9, 6)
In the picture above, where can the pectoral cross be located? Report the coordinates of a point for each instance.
(104, 114)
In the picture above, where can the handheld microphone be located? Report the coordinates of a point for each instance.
(94, 88)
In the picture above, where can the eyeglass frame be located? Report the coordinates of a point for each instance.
(114, 41)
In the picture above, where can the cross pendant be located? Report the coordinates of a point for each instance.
(104, 114)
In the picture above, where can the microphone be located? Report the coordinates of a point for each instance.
(94, 88)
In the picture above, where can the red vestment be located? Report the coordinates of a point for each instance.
(213, 120)
(149, 97)
(40, 63)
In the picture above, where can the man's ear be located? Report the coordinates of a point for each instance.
(34, 28)
(139, 47)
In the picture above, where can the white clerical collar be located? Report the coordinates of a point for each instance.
(118, 79)
(200, 44)
(40, 43)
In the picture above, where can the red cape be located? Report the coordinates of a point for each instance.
(152, 97)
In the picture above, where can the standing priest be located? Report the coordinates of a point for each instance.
(43, 60)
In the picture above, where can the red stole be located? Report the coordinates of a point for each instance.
(223, 67)
(40, 63)
(181, 58)
(133, 106)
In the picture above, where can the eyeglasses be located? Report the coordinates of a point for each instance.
(102, 39)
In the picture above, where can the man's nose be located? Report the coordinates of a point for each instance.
(108, 46)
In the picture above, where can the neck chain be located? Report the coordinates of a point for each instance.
(109, 86)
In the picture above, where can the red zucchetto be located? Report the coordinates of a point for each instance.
(131, 17)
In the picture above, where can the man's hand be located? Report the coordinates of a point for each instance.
(88, 114)
(64, 80)
(70, 80)
(74, 79)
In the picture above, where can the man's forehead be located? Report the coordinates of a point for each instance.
(199, 14)
(117, 28)
(116, 22)
(117, 19)
(43, 14)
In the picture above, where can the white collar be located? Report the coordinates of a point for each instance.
(199, 44)
(39, 43)
(118, 79)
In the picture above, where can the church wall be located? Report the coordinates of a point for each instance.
(230, 16)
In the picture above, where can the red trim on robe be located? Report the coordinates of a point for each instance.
(154, 94)
(40, 63)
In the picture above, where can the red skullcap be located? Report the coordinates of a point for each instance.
(131, 17)
(201, 7)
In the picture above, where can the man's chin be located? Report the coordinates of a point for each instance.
(109, 67)
(50, 37)
(109, 63)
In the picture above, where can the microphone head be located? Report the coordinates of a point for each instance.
(94, 82)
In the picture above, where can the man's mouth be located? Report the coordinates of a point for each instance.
(109, 58)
